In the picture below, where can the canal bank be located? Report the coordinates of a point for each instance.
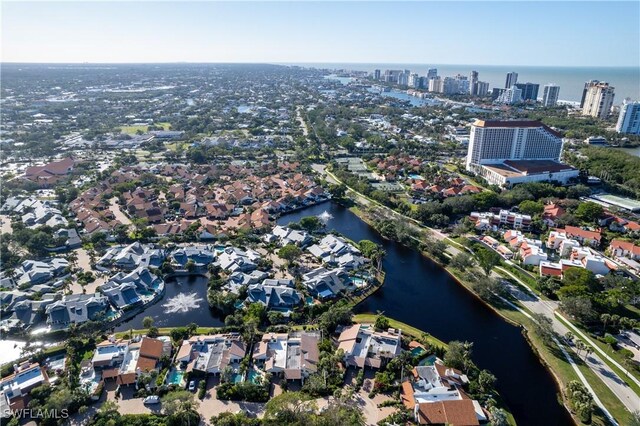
(420, 293)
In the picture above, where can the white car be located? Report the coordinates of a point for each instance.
(152, 399)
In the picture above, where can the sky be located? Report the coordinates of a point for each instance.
(576, 33)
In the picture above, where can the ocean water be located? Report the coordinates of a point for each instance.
(626, 80)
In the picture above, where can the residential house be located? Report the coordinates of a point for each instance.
(363, 346)
(552, 212)
(531, 254)
(76, 309)
(626, 249)
(32, 272)
(275, 296)
(325, 283)
(234, 259)
(15, 388)
(201, 256)
(334, 250)
(293, 357)
(211, 354)
(283, 236)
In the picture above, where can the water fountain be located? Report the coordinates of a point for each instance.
(325, 217)
(182, 303)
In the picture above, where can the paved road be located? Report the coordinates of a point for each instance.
(546, 307)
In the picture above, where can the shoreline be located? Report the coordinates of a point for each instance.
(494, 309)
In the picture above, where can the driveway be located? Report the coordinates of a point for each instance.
(115, 209)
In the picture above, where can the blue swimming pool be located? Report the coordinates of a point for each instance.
(175, 377)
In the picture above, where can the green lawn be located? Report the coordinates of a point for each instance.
(406, 329)
(132, 130)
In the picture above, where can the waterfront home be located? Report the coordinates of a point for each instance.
(125, 291)
(32, 272)
(239, 279)
(15, 388)
(435, 395)
(363, 346)
(132, 256)
(325, 283)
(275, 295)
(29, 312)
(211, 354)
(76, 309)
(118, 358)
(293, 356)
(200, 255)
(283, 236)
(234, 259)
(334, 250)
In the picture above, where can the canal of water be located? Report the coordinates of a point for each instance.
(418, 292)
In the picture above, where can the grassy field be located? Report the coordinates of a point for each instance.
(165, 331)
(406, 329)
(132, 130)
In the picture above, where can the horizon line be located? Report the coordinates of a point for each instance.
(288, 63)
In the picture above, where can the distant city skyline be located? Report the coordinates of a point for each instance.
(480, 33)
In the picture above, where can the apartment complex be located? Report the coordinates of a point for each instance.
(597, 99)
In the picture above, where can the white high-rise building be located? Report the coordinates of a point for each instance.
(436, 85)
(629, 119)
(507, 152)
(550, 95)
(414, 80)
(510, 96)
(597, 99)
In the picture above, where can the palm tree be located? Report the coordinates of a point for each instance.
(568, 337)
(605, 318)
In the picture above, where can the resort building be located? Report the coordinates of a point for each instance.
(509, 152)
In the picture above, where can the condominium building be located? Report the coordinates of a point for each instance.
(629, 119)
(550, 95)
(597, 99)
(509, 152)
(436, 85)
(510, 96)
(512, 79)
(432, 73)
(482, 88)
(376, 75)
(529, 91)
